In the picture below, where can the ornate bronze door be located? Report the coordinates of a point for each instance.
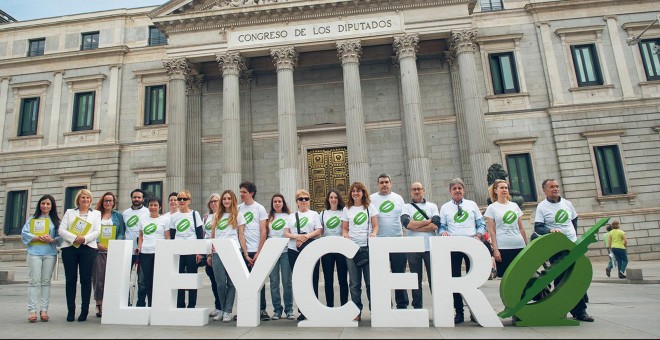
(328, 168)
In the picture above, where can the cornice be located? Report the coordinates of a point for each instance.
(62, 151)
(571, 5)
(66, 56)
(281, 12)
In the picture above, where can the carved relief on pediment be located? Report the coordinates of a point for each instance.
(205, 5)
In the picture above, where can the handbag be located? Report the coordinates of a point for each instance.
(361, 258)
(309, 240)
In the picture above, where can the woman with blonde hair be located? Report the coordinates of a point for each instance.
(618, 243)
(359, 224)
(79, 229)
(505, 227)
(229, 224)
(213, 204)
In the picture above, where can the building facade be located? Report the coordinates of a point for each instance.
(203, 94)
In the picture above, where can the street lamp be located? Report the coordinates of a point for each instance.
(635, 40)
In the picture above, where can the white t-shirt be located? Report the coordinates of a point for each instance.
(558, 216)
(359, 223)
(506, 218)
(185, 226)
(153, 229)
(209, 222)
(464, 225)
(224, 230)
(132, 221)
(431, 209)
(389, 213)
(277, 225)
(252, 214)
(331, 221)
(309, 221)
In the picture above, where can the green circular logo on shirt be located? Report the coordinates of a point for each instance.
(150, 229)
(278, 224)
(183, 226)
(386, 207)
(133, 221)
(333, 223)
(561, 216)
(418, 216)
(460, 219)
(509, 217)
(249, 216)
(303, 222)
(223, 224)
(208, 226)
(360, 218)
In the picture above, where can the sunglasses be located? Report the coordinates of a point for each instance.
(108, 201)
(183, 199)
(460, 211)
(303, 199)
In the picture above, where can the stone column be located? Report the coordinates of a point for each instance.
(111, 136)
(619, 58)
(349, 53)
(461, 124)
(194, 143)
(54, 126)
(285, 59)
(418, 163)
(4, 96)
(246, 124)
(548, 51)
(231, 64)
(477, 141)
(177, 71)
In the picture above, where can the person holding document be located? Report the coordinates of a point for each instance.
(79, 229)
(40, 235)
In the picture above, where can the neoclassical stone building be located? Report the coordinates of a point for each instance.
(202, 94)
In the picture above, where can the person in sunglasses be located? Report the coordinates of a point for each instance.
(460, 217)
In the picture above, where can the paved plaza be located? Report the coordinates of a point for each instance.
(621, 310)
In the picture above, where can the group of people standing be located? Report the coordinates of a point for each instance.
(83, 235)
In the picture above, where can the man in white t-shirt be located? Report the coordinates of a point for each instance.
(255, 232)
(389, 206)
(421, 219)
(460, 217)
(132, 217)
(557, 215)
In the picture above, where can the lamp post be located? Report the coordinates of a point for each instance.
(635, 40)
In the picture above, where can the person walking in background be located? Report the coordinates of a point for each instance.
(40, 235)
(152, 228)
(610, 256)
(79, 229)
(505, 227)
(618, 243)
(331, 222)
(213, 204)
(277, 217)
(112, 228)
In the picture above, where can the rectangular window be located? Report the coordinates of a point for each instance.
(27, 122)
(154, 105)
(521, 175)
(587, 68)
(70, 197)
(491, 5)
(650, 58)
(610, 170)
(16, 213)
(156, 37)
(90, 41)
(152, 189)
(503, 72)
(36, 47)
(83, 111)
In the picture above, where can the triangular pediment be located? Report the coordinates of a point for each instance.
(186, 7)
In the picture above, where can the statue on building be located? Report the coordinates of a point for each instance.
(496, 171)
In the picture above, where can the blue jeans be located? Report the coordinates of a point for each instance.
(355, 274)
(621, 259)
(281, 267)
(226, 290)
(40, 271)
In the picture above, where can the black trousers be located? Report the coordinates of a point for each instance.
(293, 257)
(214, 286)
(263, 289)
(415, 260)
(581, 307)
(145, 279)
(328, 261)
(74, 260)
(507, 257)
(398, 263)
(456, 264)
(187, 264)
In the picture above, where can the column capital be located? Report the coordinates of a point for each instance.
(230, 63)
(177, 68)
(451, 58)
(194, 85)
(464, 41)
(246, 77)
(349, 51)
(406, 46)
(284, 58)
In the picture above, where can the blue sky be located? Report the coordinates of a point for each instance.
(23, 10)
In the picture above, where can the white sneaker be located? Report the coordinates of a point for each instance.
(218, 317)
(215, 312)
(290, 316)
(226, 317)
